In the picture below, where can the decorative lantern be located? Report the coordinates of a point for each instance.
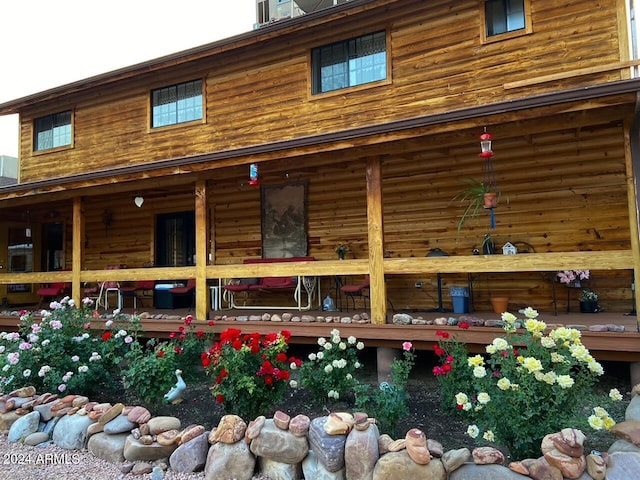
(253, 174)
(485, 145)
(488, 175)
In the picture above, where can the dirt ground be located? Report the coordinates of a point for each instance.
(425, 404)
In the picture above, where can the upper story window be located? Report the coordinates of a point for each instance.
(349, 63)
(176, 104)
(506, 16)
(52, 131)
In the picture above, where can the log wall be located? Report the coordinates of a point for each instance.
(261, 93)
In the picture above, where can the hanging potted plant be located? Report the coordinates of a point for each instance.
(477, 196)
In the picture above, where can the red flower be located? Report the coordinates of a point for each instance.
(188, 320)
(183, 336)
(237, 344)
(177, 349)
(283, 375)
(206, 361)
(172, 335)
(464, 325)
(181, 329)
(286, 334)
(199, 334)
(438, 350)
(268, 379)
(160, 353)
(211, 323)
(106, 336)
(459, 407)
(442, 334)
(224, 373)
(282, 357)
(437, 371)
(220, 398)
(449, 359)
(446, 368)
(516, 352)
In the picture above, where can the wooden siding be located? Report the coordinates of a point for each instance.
(260, 94)
(564, 188)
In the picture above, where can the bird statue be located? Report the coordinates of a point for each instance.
(174, 395)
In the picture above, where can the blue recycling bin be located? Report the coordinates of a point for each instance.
(460, 299)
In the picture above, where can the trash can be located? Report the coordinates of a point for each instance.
(460, 299)
(162, 295)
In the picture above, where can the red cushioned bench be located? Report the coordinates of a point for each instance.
(273, 284)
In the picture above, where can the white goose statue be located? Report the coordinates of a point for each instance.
(175, 394)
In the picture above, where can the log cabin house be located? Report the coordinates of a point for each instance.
(361, 121)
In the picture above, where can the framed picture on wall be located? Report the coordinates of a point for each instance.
(284, 221)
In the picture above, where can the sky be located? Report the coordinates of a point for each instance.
(46, 44)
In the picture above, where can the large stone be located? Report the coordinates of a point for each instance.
(139, 414)
(23, 427)
(571, 467)
(191, 456)
(231, 429)
(312, 468)
(633, 409)
(623, 446)
(162, 424)
(470, 471)
(134, 450)
(71, 432)
(329, 449)
(6, 420)
(454, 459)
(108, 447)
(361, 453)
(628, 430)
(399, 466)
(229, 460)
(45, 411)
(282, 471)
(279, 445)
(623, 466)
(36, 438)
(120, 424)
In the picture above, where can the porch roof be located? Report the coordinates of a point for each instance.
(619, 92)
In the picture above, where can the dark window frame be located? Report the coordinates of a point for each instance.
(492, 10)
(177, 104)
(53, 131)
(343, 55)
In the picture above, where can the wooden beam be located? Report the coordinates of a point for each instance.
(571, 73)
(76, 253)
(633, 201)
(377, 288)
(201, 249)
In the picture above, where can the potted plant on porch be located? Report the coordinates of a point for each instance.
(477, 196)
(589, 301)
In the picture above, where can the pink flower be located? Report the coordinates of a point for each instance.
(24, 346)
(406, 346)
(62, 387)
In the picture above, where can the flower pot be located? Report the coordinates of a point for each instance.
(588, 306)
(500, 304)
(490, 200)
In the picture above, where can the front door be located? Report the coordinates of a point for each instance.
(176, 239)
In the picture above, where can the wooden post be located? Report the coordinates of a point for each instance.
(76, 249)
(377, 288)
(632, 162)
(201, 250)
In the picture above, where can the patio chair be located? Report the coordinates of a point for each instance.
(188, 289)
(360, 290)
(51, 291)
(107, 287)
(142, 289)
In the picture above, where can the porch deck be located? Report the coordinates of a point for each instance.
(610, 346)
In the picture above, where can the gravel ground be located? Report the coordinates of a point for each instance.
(22, 462)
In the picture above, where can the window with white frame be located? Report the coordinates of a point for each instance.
(349, 63)
(52, 131)
(503, 16)
(176, 104)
